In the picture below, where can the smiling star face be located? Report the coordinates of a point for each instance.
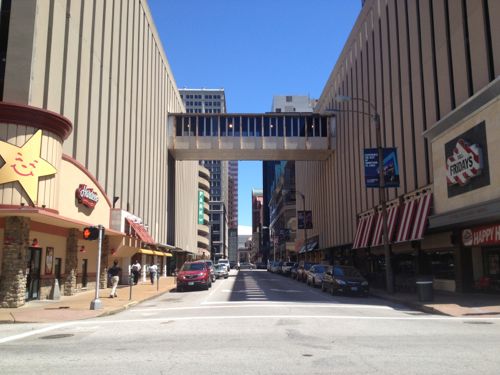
(24, 165)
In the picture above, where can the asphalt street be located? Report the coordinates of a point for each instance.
(256, 322)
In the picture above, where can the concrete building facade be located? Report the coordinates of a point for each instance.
(420, 64)
(101, 69)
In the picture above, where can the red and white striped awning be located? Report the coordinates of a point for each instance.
(407, 214)
(363, 231)
(423, 209)
(392, 216)
(414, 218)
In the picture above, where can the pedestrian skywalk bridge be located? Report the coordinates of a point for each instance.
(269, 136)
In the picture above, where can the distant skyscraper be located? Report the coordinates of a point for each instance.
(223, 174)
(276, 219)
(292, 103)
(233, 194)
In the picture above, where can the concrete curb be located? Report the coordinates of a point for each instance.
(410, 304)
(131, 304)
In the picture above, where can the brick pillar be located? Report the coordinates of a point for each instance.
(105, 251)
(71, 268)
(15, 246)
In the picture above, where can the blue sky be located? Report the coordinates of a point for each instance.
(254, 49)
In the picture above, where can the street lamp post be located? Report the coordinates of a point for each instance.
(382, 195)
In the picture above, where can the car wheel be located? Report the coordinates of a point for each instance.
(179, 289)
(225, 277)
(332, 290)
(313, 283)
(323, 289)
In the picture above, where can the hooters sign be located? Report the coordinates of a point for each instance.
(86, 196)
(465, 163)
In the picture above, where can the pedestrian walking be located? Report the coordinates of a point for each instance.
(136, 271)
(114, 274)
(153, 269)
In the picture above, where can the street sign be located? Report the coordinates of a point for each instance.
(304, 220)
(201, 206)
(391, 168)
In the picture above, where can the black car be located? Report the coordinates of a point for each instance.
(344, 279)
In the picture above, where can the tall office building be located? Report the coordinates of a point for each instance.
(278, 209)
(223, 174)
(85, 90)
(257, 223)
(233, 193)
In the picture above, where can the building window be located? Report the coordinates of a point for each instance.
(289, 99)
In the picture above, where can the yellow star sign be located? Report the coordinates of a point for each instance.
(24, 164)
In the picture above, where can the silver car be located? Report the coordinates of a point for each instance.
(220, 270)
(315, 274)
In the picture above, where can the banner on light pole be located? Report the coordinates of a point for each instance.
(391, 168)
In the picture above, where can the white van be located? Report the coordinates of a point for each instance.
(225, 262)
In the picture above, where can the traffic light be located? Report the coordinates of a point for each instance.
(91, 233)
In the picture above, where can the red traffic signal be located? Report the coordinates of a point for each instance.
(91, 233)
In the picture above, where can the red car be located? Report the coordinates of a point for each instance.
(194, 274)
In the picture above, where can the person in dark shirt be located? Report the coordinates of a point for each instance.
(114, 274)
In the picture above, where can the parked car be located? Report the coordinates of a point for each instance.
(344, 279)
(221, 271)
(210, 265)
(275, 266)
(193, 274)
(301, 271)
(315, 275)
(247, 266)
(260, 265)
(286, 267)
(232, 264)
(226, 262)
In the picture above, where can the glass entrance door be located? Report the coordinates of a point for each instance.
(34, 257)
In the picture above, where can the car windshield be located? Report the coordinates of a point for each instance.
(219, 267)
(193, 267)
(319, 269)
(288, 264)
(346, 271)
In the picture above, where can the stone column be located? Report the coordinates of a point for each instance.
(71, 267)
(15, 246)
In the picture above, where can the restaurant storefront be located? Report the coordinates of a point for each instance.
(46, 200)
(466, 185)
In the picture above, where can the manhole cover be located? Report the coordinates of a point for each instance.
(307, 355)
(58, 336)
(475, 322)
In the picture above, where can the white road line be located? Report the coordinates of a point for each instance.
(37, 332)
(215, 290)
(247, 304)
(329, 317)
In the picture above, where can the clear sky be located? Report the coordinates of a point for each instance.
(254, 49)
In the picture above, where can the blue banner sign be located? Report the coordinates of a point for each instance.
(391, 169)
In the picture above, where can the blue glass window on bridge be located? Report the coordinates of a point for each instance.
(223, 130)
(236, 126)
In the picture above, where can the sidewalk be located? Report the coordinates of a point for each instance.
(470, 305)
(78, 306)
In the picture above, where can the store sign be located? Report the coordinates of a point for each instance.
(467, 167)
(391, 169)
(487, 235)
(465, 163)
(24, 165)
(86, 196)
(201, 206)
(304, 220)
